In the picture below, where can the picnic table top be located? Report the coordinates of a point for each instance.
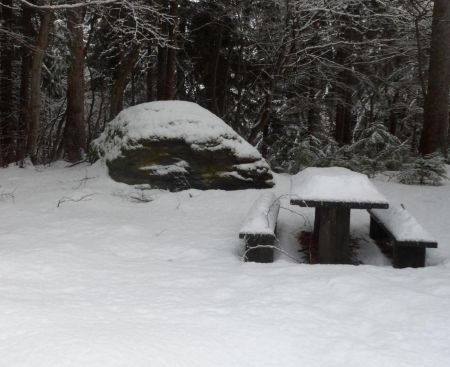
(335, 187)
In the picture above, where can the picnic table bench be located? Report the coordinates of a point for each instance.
(410, 240)
(334, 191)
(259, 227)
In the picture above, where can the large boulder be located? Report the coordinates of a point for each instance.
(176, 145)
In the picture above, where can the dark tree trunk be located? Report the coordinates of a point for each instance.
(162, 59)
(74, 131)
(35, 83)
(393, 116)
(344, 117)
(435, 124)
(264, 119)
(182, 92)
(343, 121)
(25, 78)
(313, 116)
(162, 72)
(150, 80)
(171, 76)
(123, 73)
(214, 105)
(7, 125)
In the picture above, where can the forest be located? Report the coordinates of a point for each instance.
(358, 83)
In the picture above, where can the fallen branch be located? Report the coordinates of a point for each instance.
(66, 199)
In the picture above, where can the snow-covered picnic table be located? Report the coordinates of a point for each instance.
(333, 192)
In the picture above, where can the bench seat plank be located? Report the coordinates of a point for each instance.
(262, 216)
(410, 240)
(403, 227)
(258, 230)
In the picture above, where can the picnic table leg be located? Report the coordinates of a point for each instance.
(409, 257)
(334, 235)
(316, 224)
(376, 231)
(259, 248)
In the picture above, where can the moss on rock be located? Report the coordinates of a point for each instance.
(157, 163)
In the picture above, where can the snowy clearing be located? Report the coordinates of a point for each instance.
(90, 275)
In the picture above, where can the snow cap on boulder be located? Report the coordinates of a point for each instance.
(176, 145)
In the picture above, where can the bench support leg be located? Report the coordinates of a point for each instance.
(376, 232)
(334, 235)
(316, 224)
(409, 257)
(255, 250)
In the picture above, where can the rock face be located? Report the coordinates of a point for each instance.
(177, 145)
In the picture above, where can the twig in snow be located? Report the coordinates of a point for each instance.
(244, 256)
(84, 180)
(66, 199)
(305, 219)
(76, 163)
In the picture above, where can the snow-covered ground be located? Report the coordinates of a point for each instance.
(92, 275)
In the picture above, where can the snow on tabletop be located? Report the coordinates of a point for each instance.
(402, 225)
(262, 216)
(334, 184)
(160, 120)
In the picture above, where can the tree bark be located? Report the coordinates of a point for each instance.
(435, 124)
(150, 81)
(35, 83)
(214, 106)
(25, 79)
(344, 117)
(7, 125)
(393, 115)
(171, 76)
(313, 117)
(121, 82)
(344, 120)
(162, 58)
(74, 130)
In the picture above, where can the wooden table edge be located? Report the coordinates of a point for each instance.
(339, 204)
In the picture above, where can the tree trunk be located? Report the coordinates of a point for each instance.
(171, 76)
(313, 117)
(393, 115)
(7, 125)
(25, 78)
(344, 118)
(214, 106)
(264, 119)
(74, 130)
(121, 82)
(150, 93)
(162, 59)
(35, 83)
(150, 81)
(435, 124)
